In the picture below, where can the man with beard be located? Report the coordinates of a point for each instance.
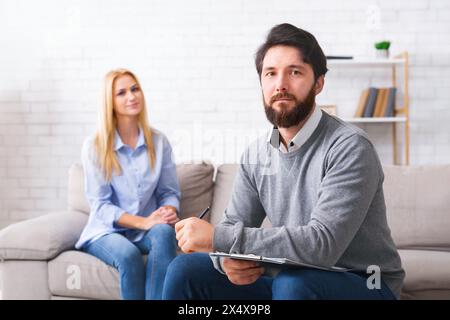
(319, 182)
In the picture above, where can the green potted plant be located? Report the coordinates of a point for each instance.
(382, 49)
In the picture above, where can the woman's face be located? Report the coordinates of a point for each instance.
(128, 98)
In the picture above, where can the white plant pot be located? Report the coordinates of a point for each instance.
(382, 53)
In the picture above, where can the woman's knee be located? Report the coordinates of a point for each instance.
(115, 250)
(131, 258)
(162, 230)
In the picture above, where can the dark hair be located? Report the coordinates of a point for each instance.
(288, 35)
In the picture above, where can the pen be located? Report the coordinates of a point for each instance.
(203, 213)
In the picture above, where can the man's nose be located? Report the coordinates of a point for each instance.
(282, 85)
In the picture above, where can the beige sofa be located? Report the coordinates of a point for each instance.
(38, 260)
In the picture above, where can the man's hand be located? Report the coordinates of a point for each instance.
(242, 272)
(194, 235)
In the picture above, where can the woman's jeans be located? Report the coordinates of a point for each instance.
(137, 280)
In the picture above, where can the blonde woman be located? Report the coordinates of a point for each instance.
(133, 191)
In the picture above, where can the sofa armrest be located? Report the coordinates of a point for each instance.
(41, 238)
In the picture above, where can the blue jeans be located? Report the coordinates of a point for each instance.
(192, 276)
(137, 281)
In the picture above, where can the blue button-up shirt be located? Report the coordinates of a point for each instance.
(139, 190)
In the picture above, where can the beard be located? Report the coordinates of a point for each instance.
(288, 118)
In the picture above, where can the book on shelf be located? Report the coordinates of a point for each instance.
(390, 105)
(380, 103)
(371, 101)
(376, 102)
(362, 103)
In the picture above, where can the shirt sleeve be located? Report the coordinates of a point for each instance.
(97, 190)
(167, 191)
(353, 176)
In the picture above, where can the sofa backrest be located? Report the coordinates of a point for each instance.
(418, 205)
(417, 199)
(196, 184)
(417, 202)
(223, 186)
(76, 199)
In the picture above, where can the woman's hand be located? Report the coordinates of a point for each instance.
(155, 217)
(169, 214)
(164, 214)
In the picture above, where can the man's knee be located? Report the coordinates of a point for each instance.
(296, 285)
(184, 266)
(184, 270)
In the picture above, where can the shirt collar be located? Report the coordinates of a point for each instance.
(302, 135)
(118, 143)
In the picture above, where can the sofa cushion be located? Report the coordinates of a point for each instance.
(76, 198)
(425, 270)
(196, 184)
(41, 238)
(223, 186)
(24, 280)
(222, 190)
(97, 279)
(417, 201)
(426, 295)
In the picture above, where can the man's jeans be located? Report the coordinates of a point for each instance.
(193, 276)
(138, 281)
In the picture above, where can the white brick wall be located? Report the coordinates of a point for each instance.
(195, 60)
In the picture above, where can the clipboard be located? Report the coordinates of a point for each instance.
(275, 261)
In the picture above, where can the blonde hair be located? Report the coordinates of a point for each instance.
(107, 123)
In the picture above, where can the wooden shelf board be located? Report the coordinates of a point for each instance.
(365, 62)
(376, 120)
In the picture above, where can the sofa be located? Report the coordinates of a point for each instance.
(38, 259)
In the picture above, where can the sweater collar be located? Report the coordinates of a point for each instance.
(302, 135)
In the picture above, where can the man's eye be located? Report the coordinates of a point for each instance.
(269, 74)
(296, 72)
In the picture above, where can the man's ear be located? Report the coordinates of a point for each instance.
(318, 86)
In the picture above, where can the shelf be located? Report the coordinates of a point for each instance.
(376, 120)
(365, 62)
(401, 119)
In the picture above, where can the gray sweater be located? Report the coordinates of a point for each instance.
(325, 203)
